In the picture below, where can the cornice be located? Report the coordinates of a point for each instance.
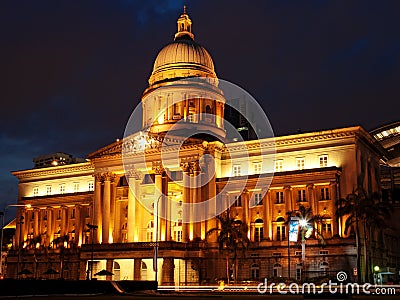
(82, 169)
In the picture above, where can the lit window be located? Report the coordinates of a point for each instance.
(280, 232)
(279, 197)
(149, 234)
(323, 161)
(48, 190)
(255, 272)
(257, 168)
(62, 188)
(301, 196)
(300, 163)
(238, 201)
(257, 199)
(258, 230)
(325, 194)
(236, 170)
(279, 165)
(327, 228)
(323, 252)
(76, 187)
(35, 191)
(91, 186)
(277, 270)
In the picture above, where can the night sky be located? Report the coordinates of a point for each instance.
(73, 71)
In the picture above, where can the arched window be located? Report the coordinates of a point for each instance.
(143, 271)
(149, 231)
(280, 229)
(277, 270)
(258, 230)
(255, 272)
(116, 271)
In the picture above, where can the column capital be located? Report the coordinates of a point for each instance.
(98, 176)
(132, 173)
(185, 166)
(287, 187)
(109, 176)
(158, 169)
(310, 185)
(195, 166)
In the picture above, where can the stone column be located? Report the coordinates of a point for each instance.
(112, 208)
(167, 207)
(64, 229)
(109, 267)
(36, 222)
(97, 207)
(333, 195)
(132, 199)
(137, 268)
(311, 198)
(288, 198)
(267, 203)
(79, 224)
(246, 204)
(50, 225)
(186, 201)
(159, 226)
(106, 208)
(196, 197)
(167, 272)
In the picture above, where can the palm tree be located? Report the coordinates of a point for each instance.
(308, 226)
(366, 212)
(232, 237)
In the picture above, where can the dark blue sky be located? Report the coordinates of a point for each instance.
(72, 71)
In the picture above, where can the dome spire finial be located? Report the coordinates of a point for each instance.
(184, 26)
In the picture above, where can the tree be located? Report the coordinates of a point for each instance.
(308, 226)
(366, 212)
(232, 237)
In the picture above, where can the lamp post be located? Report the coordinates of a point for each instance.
(3, 215)
(155, 266)
(92, 228)
(303, 223)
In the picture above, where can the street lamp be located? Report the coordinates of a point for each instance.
(3, 215)
(92, 228)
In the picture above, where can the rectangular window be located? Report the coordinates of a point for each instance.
(76, 187)
(257, 168)
(325, 194)
(327, 228)
(62, 188)
(238, 201)
(236, 170)
(323, 161)
(48, 190)
(323, 252)
(300, 163)
(257, 199)
(35, 191)
(280, 233)
(297, 253)
(301, 196)
(59, 214)
(279, 165)
(279, 197)
(73, 213)
(258, 234)
(91, 186)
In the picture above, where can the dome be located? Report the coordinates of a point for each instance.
(183, 57)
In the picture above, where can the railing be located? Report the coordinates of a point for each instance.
(169, 245)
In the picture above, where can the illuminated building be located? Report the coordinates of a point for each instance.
(311, 169)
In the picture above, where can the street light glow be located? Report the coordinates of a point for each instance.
(303, 222)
